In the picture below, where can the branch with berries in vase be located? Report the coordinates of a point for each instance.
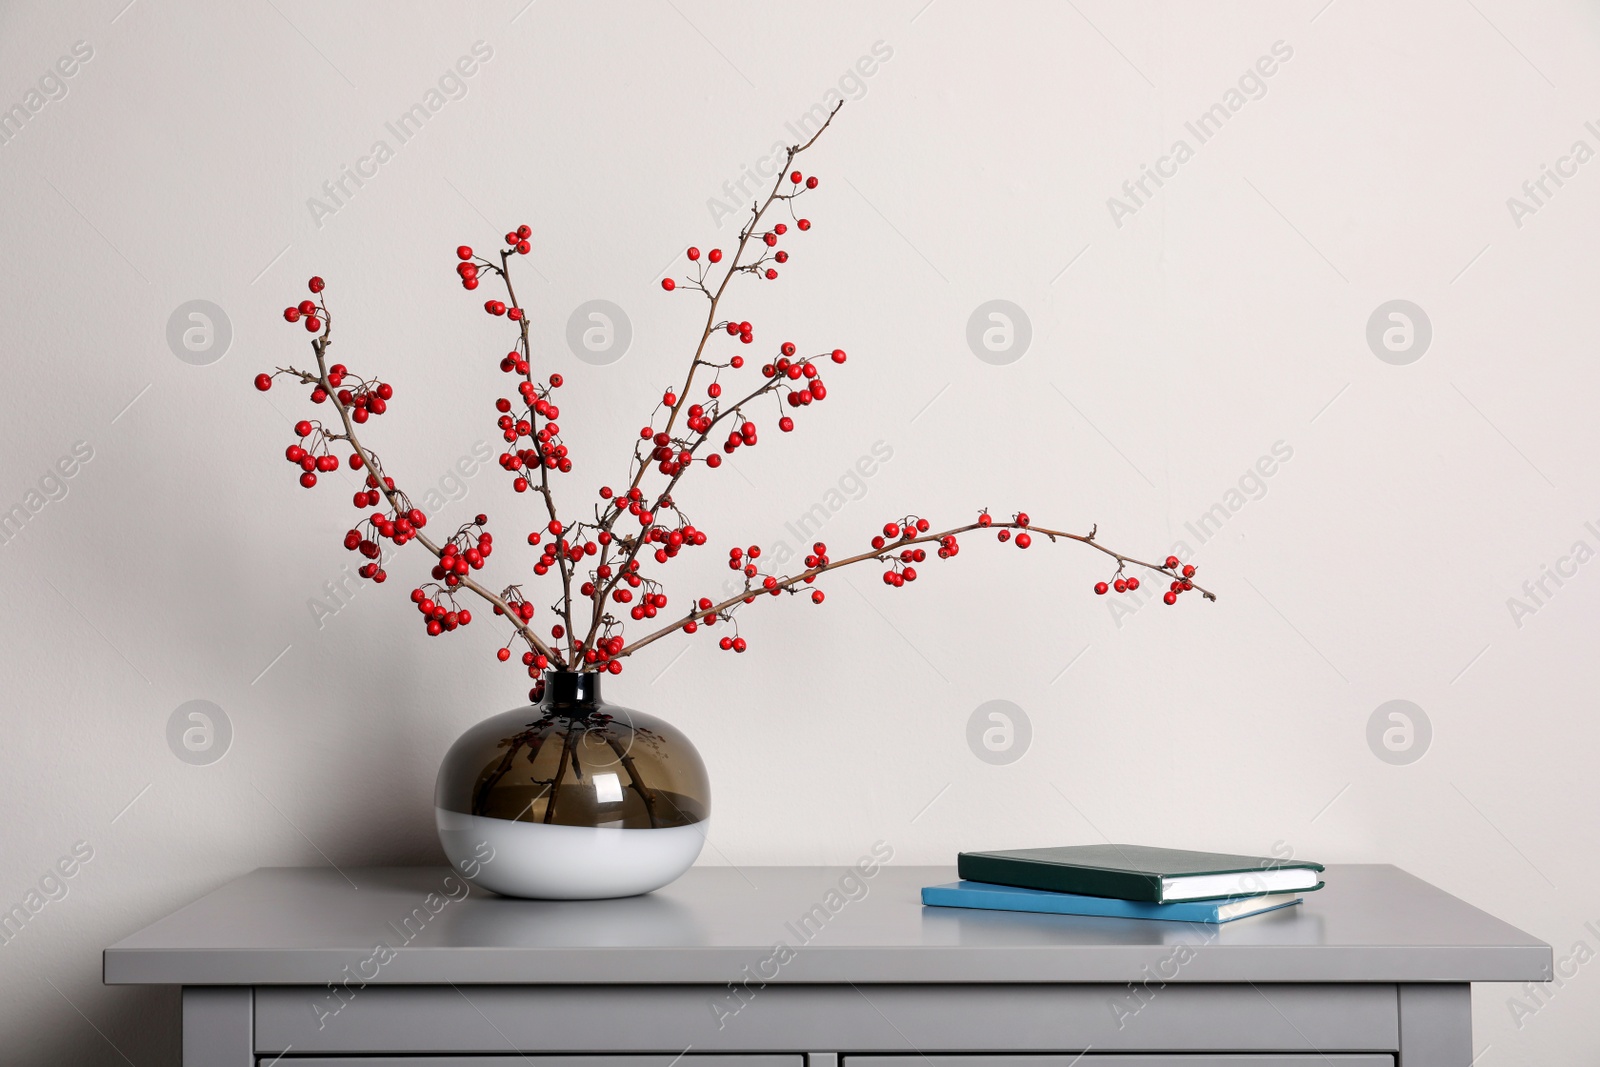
(573, 796)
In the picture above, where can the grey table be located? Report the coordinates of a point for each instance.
(803, 966)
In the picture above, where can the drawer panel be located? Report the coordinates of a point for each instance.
(1165, 1059)
(732, 1060)
(889, 1019)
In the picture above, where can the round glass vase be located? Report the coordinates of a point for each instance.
(572, 798)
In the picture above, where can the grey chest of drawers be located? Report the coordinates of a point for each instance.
(811, 967)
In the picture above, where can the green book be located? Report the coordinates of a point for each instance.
(1137, 872)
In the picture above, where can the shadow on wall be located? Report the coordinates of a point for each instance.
(145, 1022)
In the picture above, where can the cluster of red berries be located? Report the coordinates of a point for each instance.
(816, 559)
(673, 541)
(563, 547)
(669, 455)
(315, 459)
(606, 646)
(516, 241)
(548, 451)
(902, 567)
(742, 559)
(520, 606)
(1023, 538)
(364, 401)
(1119, 583)
(699, 420)
(900, 530)
(441, 615)
(632, 502)
(399, 529)
(307, 311)
(1180, 584)
(464, 552)
(744, 435)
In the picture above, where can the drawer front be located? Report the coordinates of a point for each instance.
(1165, 1059)
(628, 1021)
(536, 1061)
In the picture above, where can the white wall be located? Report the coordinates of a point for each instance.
(1226, 314)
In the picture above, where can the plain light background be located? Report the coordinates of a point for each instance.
(1168, 354)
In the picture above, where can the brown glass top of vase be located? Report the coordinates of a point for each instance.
(574, 760)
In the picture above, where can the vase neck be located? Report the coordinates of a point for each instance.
(571, 688)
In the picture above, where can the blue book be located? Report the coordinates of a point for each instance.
(991, 897)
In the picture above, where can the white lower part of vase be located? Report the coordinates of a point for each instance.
(553, 862)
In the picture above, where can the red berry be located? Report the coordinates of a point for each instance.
(316, 284)
(303, 428)
(524, 231)
(1101, 588)
(505, 653)
(1188, 571)
(771, 274)
(1172, 562)
(694, 253)
(1024, 540)
(786, 424)
(811, 183)
(1120, 585)
(313, 324)
(1169, 598)
(291, 314)
(464, 252)
(838, 355)
(715, 255)
(668, 284)
(794, 176)
(804, 224)
(263, 382)
(308, 479)
(1133, 583)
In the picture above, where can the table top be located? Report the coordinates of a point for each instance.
(425, 925)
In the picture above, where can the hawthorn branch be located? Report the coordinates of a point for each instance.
(543, 487)
(887, 554)
(757, 212)
(319, 345)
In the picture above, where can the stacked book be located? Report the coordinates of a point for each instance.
(1126, 882)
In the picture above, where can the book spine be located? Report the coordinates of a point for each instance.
(1122, 885)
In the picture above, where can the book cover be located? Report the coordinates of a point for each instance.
(988, 897)
(1137, 872)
